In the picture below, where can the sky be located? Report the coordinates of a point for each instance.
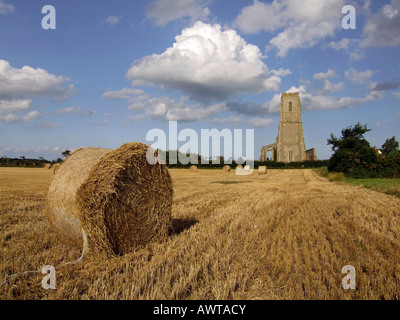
(111, 71)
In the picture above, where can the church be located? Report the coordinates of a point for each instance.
(289, 145)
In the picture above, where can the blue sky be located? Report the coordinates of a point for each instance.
(112, 71)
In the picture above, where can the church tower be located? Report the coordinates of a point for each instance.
(290, 144)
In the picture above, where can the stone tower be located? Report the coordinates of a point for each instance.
(290, 144)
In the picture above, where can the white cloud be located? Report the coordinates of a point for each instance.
(321, 102)
(14, 106)
(67, 110)
(48, 125)
(343, 44)
(304, 23)
(261, 17)
(112, 20)
(8, 110)
(28, 82)
(397, 94)
(133, 119)
(105, 122)
(164, 11)
(6, 7)
(281, 72)
(33, 115)
(8, 118)
(359, 76)
(329, 74)
(89, 113)
(13, 118)
(124, 94)
(350, 46)
(193, 112)
(255, 122)
(380, 123)
(274, 105)
(382, 28)
(168, 109)
(206, 64)
(330, 87)
(35, 150)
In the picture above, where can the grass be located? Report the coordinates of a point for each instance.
(388, 186)
(285, 235)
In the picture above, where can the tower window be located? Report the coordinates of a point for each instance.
(290, 156)
(290, 106)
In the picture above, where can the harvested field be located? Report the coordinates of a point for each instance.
(283, 235)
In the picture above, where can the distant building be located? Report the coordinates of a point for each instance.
(289, 145)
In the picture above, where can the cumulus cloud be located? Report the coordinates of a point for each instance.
(168, 109)
(161, 12)
(29, 82)
(303, 23)
(310, 101)
(6, 7)
(207, 64)
(163, 107)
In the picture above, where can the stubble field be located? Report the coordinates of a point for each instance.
(284, 235)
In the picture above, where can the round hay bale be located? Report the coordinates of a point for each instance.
(226, 168)
(47, 165)
(262, 170)
(193, 168)
(116, 197)
(239, 166)
(55, 167)
(75, 151)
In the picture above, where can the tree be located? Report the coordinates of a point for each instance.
(353, 154)
(390, 147)
(66, 153)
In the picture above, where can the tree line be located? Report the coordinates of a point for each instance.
(354, 156)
